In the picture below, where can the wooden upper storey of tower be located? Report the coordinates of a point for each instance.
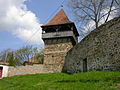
(58, 23)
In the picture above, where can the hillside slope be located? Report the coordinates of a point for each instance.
(82, 81)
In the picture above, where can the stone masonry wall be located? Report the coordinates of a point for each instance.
(65, 47)
(29, 69)
(55, 55)
(53, 61)
(101, 49)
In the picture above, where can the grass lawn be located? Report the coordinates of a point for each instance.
(60, 81)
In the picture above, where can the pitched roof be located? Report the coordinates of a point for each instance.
(3, 63)
(59, 18)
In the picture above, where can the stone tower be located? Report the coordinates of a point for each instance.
(59, 36)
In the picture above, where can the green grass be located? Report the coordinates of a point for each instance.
(60, 81)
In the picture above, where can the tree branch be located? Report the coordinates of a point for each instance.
(109, 10)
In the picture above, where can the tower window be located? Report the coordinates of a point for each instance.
(48, 30)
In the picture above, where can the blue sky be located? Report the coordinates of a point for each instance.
(20, 21)
(43, 9)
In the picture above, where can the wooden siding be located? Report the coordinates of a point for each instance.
(57, 34)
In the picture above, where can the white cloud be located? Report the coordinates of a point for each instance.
(15, 18)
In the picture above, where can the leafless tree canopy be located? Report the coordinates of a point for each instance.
(93, 12)
(18, 57)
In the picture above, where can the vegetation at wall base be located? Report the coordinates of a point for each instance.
(94, 80)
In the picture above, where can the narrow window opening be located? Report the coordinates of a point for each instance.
(85, 65)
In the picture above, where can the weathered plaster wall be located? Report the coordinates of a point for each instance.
(101, 49)
(5, 70)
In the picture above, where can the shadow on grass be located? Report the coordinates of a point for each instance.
(74, 81)
(116, 79)
(113, 79)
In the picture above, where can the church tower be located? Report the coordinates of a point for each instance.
(59, 36)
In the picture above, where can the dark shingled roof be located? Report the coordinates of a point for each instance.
(59, 18)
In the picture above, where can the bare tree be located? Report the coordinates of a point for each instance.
(93, 12)
(18, 57)
(4, 54)
(8, 56)
(25, 53)
(117, 2)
